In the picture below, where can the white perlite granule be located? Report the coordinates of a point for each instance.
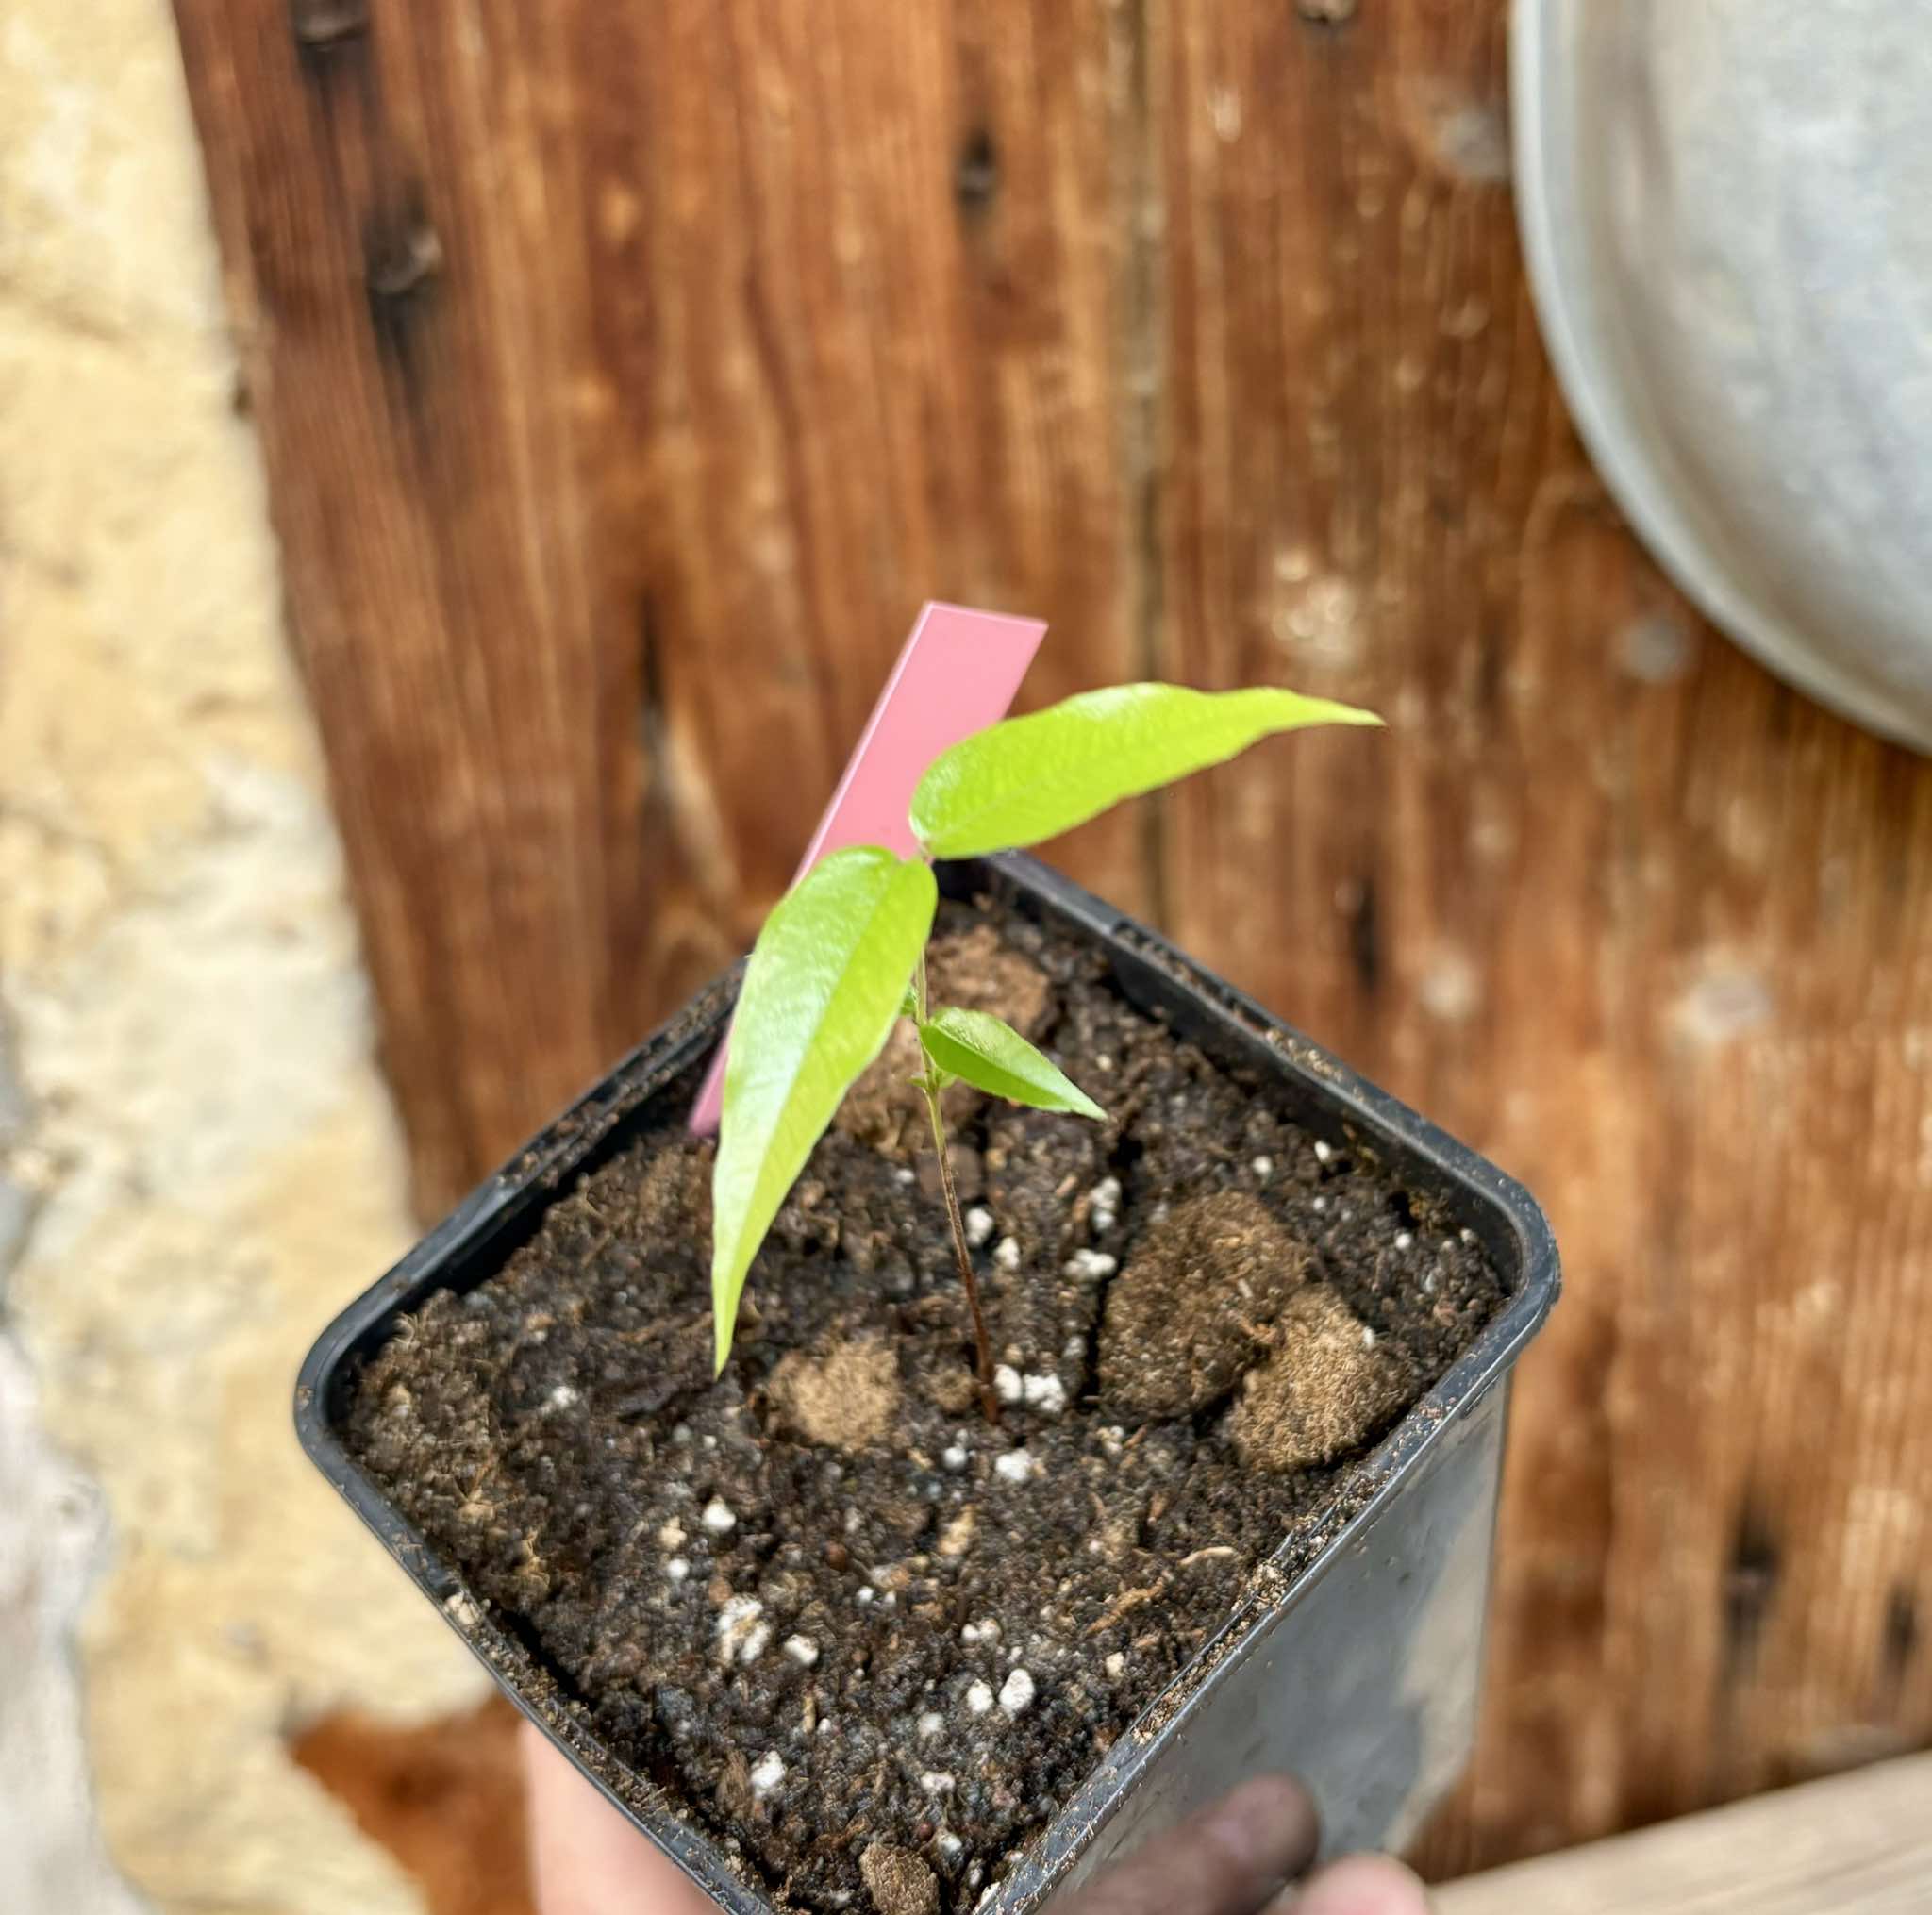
(741, 1634)
(1103, 1202)
(1045, 1393)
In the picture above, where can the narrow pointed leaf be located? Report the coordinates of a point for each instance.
(993, 1056)
(1027, 779)
(825, 985)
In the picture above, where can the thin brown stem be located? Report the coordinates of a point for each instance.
(989, 1399)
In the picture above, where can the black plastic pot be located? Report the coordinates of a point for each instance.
(1357, 1668)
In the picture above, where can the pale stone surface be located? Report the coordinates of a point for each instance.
(50, 1537)
(200, 1163)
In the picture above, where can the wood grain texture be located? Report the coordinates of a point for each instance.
(1606, 901)
(629, 372)
(1853, 1845)
(628, 375)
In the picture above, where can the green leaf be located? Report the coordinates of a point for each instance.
(1027, 779)
(993, 1056)
(825, 985)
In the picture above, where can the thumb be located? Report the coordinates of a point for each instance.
(1363, 1885)
(1230, 1859)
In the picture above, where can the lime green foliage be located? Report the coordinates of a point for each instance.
(993, 1056)
(825, 985)
(1027, 779)
(839, 958)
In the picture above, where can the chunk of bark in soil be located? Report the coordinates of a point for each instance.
(1191, 1310)
(844, 1398)
(1331, 1387)
(734, 1790)
(977, 970)
(898, 1882)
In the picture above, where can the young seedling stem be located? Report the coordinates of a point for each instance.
(933, 1085)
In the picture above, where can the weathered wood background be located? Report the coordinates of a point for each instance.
(630, 370)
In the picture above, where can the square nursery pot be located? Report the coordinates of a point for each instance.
(1356, 1668)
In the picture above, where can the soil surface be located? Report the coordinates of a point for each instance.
(867, 1641)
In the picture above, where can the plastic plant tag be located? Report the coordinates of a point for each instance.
(956, 675)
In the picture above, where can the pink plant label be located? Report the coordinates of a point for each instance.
(956, 675)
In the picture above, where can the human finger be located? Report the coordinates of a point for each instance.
(1227, 1860)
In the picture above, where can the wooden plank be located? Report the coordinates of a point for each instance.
(629, 370)
(1606, 900)
(627, 375)
(1856, 1844)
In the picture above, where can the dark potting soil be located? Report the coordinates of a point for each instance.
(869, 1642)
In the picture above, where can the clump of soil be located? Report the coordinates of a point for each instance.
(898, 1882)
(848, 1628)
(1331, 1384)
(844, 1399)
(1194, 1306)
(969, 968)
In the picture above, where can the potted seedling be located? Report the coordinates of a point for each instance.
(1061, 1391)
